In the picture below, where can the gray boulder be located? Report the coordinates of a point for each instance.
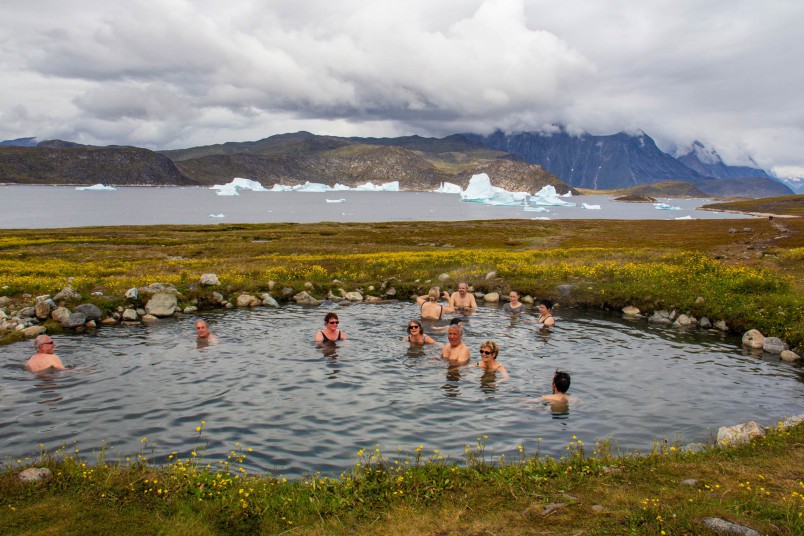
(753, 339)
(4, 300)
(303, 298)
(630, 310)
(209, 280)
(660, 317)
(390, 292)
(132, 293)
(789, 356)
(148, 318)
(162, 304)
(683, 321)
(217, 297)
(443, 277)
(36, 474)
(353, 296)
(34, 331)
(268, 300)
(492, 297)
(67, 294)
(130, 315)
(721, 325)
(190, 309)
(42, 310)
(26, 312)
(91, 311)
(721, 526)
(60, 314)
(705, 323)
(247, 300)
(774, 345)
(75, 320)
(739, 434)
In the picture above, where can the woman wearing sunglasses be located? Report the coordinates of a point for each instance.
(416, 334)
(330, 334)
(488, 359)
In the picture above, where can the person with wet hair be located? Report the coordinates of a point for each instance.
(416, 334)
(546, 313)
(44, 358)
(456, 351)
(203, 335)
(330, 334)
(561, 384)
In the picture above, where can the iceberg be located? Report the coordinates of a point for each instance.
(216, 216)
(480, 190)
(341, 200)
(96, 187)
(448, 188)
(237, 183)
(371, 187)
(590, 207)
(665, 206)
(311, 187)
(340, 187)
(281, 188)
(535, 209)
(549, 197)
(687, 217)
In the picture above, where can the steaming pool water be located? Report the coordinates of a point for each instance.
(303, 409)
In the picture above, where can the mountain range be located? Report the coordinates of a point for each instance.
(523, 161)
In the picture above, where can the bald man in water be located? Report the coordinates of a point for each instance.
(44, 358)
(463, 300)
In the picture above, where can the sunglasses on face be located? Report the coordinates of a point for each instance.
(486, 352)
(333, 322)
(412, 327)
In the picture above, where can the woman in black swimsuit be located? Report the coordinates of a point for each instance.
(545, 314)
(330, 333)
(416, 334)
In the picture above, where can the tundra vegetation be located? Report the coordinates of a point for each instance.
(748, 272)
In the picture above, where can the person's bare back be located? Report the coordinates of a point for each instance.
(44, 358)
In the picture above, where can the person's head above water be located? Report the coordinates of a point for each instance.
(202, 329)
(490, 348)
(547, 304)
(454, 334)
(433, 294)
(561, 381)
(44, 344)
(514, 295)
(456, 322)
(415, 327)
(463, 288)
(331, 320)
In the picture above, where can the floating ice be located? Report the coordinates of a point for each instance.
(96, 187)
(590, 207)
(237, 183)
(311, 187)
(448, 188)
(216, 216)
(480, 190)
(541, 218)
(548, 196)
(665, 206)
(536, 209)
(341, 200)
(687, 217)
(339, 187)
(385, 187)
(281, 188)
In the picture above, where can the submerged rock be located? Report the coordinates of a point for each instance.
(774, 345)
(753, 339)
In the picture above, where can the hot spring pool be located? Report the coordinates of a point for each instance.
(269, 387)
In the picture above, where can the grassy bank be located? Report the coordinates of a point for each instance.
(590, 490)
(748, 272)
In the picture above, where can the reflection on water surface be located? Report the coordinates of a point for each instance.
(304, 408)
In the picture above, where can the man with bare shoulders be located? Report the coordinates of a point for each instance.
(463, 300)
(456, 351)
(204, 336)
(44, 358)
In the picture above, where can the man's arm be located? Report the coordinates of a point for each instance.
(472, 301)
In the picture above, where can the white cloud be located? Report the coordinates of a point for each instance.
(180, 73)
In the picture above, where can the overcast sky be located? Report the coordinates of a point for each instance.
(174, 73)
